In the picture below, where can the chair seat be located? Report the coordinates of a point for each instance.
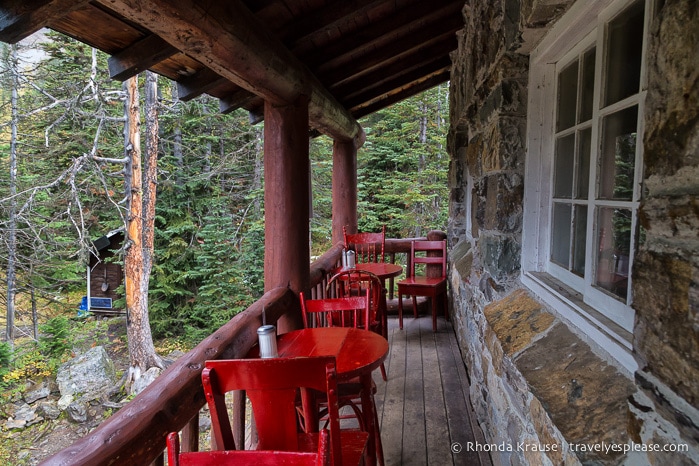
(423, 281)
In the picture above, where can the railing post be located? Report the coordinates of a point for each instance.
(190, 435)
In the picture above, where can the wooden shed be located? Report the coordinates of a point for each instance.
(103, 275)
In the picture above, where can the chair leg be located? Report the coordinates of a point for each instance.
(415, 306)
(433, 302)
(383, 372)
(400, 310)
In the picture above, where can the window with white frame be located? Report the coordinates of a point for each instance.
(588, 154)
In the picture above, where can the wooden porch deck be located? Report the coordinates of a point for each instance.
(424, 408)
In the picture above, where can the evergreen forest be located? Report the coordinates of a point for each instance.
(62, 186)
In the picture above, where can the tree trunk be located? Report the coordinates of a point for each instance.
(177, 137)
(138, 258)
(12, 230)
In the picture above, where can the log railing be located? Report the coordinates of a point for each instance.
(136, 434)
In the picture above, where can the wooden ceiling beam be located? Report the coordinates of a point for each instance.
(319, 24)
(228, 38)
(399, 94)
(22, 18)
(139, 57)
(199, 83)
(238, 99)
(366, 93)
(435, 15)
(387, 64)
(384, 48)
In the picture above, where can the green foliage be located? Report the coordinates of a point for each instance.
(5, 358)
(209, 238)
(55, 337)
(402, 168)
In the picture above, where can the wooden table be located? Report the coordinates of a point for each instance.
(357, 352)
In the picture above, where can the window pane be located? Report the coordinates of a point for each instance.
(560, 235)
(583, 174)
(618, 155)
(587, 86)
(564, 167)
(567, 96)
(624, 47)
(614, 245)
(579, 239)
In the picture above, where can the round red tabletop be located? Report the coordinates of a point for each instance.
(357, 351)
(383, 270)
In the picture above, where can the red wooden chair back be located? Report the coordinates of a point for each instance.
(421, 252)
(271, 385)
(369, 247)
(347, 311)
(256, 457)
(350, 283)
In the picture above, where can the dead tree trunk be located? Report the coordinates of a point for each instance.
(12, 231)
(137, 260)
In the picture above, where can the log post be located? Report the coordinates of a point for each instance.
(344, 190)
(286, 162)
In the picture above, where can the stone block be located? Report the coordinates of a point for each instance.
(517, 319)
(461, 257)
(503, 203)
(585, 397)
(666, 326)
(500, 255)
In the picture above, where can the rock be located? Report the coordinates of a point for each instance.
(11, 424)
(40, 392)
(77, 412)
(88, 375)
(25, 412)
(48, 410)
(146, 379)
(64, 401)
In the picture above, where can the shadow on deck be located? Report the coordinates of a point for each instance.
(424, 408)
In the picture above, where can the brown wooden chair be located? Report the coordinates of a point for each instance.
(369, 247)
(272, 386)
(257, 457)
(424, 252)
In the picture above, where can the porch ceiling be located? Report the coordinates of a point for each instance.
(350, 58)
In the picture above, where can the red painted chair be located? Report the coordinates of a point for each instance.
(369, 247)
(356, 283)
(424, 252)
(346, 311)
(328, 312)
(256, 457)
(272, 386)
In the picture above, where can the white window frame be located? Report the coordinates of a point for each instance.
(603, 319)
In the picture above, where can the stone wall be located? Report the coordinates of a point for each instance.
(666, 270)
(533, 380)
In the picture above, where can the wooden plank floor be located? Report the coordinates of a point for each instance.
(424, 408)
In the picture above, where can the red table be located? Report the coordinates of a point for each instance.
(357, 352)
(383, 270)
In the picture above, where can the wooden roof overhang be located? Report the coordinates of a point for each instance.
(349, 58)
